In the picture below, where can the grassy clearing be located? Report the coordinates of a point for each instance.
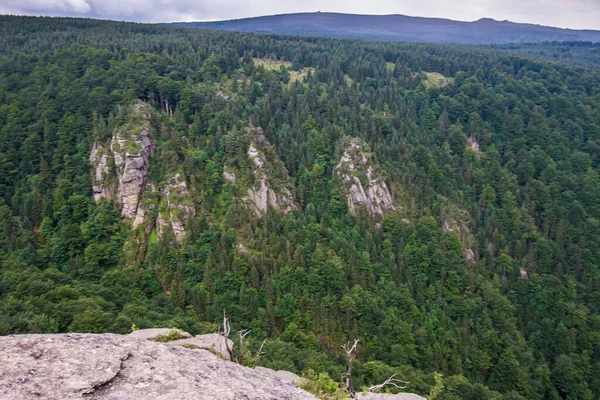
(275, 65)
(300, 75)
(271, 65)
(348, 80)
(436, 80)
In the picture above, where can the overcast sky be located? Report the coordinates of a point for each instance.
(576, 14)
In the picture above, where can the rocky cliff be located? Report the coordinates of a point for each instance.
(362, 181)
(120, 171)
(268, 187)
(176, 209)
(129, 150)
(102, 186)
(263, 195)
(115, 367)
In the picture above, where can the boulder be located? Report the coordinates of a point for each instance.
(154, 333)
(116, 367)
(212, 342)
(285, 376)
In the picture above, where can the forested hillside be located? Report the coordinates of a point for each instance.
(583, 53)
(399, 28)
(439, 203)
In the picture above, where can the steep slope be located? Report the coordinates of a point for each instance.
(263, 190)
(399, 28)
(120, 172)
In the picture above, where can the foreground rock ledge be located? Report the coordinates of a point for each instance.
(115, 367)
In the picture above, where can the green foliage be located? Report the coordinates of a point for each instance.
(174, 334)
(437, 388)
(322, 386)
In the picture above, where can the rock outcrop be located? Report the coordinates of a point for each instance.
(212, 342)
(177, 210)
(263, 195)
(102, 186)
(130, 150)
(121, 169)
(147, 203)
(363, 186)
(474, 145)
(457, 226)
(115, 367)
(285, 376)
(157, 333)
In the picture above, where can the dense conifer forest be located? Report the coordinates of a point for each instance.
(483, 265)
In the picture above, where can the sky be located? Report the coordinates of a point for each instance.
(575, 14)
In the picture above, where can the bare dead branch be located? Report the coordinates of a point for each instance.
(242, 334)
(225, 333)
(390, 381)
(351, 355)
(260, 349)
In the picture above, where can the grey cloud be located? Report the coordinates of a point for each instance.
(578, 14)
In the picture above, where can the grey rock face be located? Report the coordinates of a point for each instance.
(229, 176)
(144, 208)
(213, 342)
(115, 367)
(371, 193)
(475, 146)
(132, 153)
(464, 233)
(101, 187)
(154, 333)
(263, 195)
(179, 208)
(285, 376)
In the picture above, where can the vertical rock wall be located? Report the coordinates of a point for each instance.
(363, 187)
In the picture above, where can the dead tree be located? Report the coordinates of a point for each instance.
(390, 381)
(351, 355)
(242, 335)
(256, 358)
(225, 333)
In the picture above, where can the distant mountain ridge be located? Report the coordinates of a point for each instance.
(399, 28)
